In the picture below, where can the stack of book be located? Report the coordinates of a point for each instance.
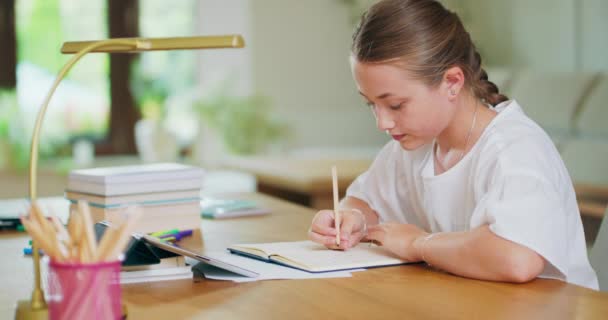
(168, 193)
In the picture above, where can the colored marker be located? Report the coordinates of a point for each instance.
(162, 233)
(168, 239)
(28, 251)
(178, 236)
(167, 235)
(185, 233)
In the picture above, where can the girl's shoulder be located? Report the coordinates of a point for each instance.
(515, 144)
(513, 131)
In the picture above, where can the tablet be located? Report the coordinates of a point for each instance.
(208, 260)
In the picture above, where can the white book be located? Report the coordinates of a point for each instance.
(153, 275)
(137, 173)
(120, 189)
(153, 198)
(155, 218)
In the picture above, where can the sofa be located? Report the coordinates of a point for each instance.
(573, 108)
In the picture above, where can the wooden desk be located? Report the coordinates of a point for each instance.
(411, 292)
(304, 180)
(592, 199)
(307, 180)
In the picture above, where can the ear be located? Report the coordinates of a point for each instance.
(452, 83)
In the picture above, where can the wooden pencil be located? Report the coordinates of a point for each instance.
(337, 216)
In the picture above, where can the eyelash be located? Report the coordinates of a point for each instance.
(395, 107)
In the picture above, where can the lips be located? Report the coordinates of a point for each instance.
(398, 136)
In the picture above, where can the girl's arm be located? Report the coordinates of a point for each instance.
(371, 216)
(477, 253)
(357, 216)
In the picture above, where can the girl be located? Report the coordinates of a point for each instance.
(469, 184)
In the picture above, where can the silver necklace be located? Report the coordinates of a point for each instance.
(466, 140)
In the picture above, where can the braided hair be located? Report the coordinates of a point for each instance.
(425, 38)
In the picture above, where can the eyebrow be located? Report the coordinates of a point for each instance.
(382, 96)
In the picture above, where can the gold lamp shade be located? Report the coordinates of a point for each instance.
(161, 44)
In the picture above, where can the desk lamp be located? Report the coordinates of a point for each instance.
(36, 308)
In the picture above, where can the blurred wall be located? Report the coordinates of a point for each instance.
(557, 35)
(234, 65)
(594, 34)
(297, 53)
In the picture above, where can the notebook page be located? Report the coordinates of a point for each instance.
(316, 258)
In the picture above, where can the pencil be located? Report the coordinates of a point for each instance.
(78, 244)
(124, 232)
(89, 234)
(108, 239)
(337, 217)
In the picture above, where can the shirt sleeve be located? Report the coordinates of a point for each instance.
(374, 186)
(357, 188)
(525, 207)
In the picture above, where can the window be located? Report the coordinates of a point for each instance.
(81, 105)
(81, 100)
(171, 74)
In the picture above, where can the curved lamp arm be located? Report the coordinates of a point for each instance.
(36, 308)
(38, 301)
(135, 44)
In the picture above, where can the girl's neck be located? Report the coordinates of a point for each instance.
(469, 121)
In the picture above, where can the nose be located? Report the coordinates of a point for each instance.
(384, 121)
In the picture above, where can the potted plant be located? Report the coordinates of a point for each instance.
(8, 112)
(153, 140)
(242, 125)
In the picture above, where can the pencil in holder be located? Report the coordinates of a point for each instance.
(84, 290)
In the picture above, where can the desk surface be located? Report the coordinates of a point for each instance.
(312, 176)
(300, 174)
(412, 291)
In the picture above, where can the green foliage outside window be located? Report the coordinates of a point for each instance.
(245, 124)
(12, 154)
(15, 136)
(150, 92)
(42, 29)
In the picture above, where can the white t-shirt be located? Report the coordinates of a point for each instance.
(513, 179)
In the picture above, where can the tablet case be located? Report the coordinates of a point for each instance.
(138, 252)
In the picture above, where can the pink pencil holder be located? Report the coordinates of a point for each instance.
(84, 291)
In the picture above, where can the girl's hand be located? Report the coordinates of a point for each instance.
(352, 229)
(401, 239)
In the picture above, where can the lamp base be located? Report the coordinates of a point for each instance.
(125, 312)
(25, 312)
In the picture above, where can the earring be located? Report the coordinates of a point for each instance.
(452, 92)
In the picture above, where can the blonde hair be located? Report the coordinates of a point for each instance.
(425, 38)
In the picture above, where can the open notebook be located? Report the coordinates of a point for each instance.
(313, 257)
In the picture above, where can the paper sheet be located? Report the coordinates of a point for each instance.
(266, 271)
(317, 258)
